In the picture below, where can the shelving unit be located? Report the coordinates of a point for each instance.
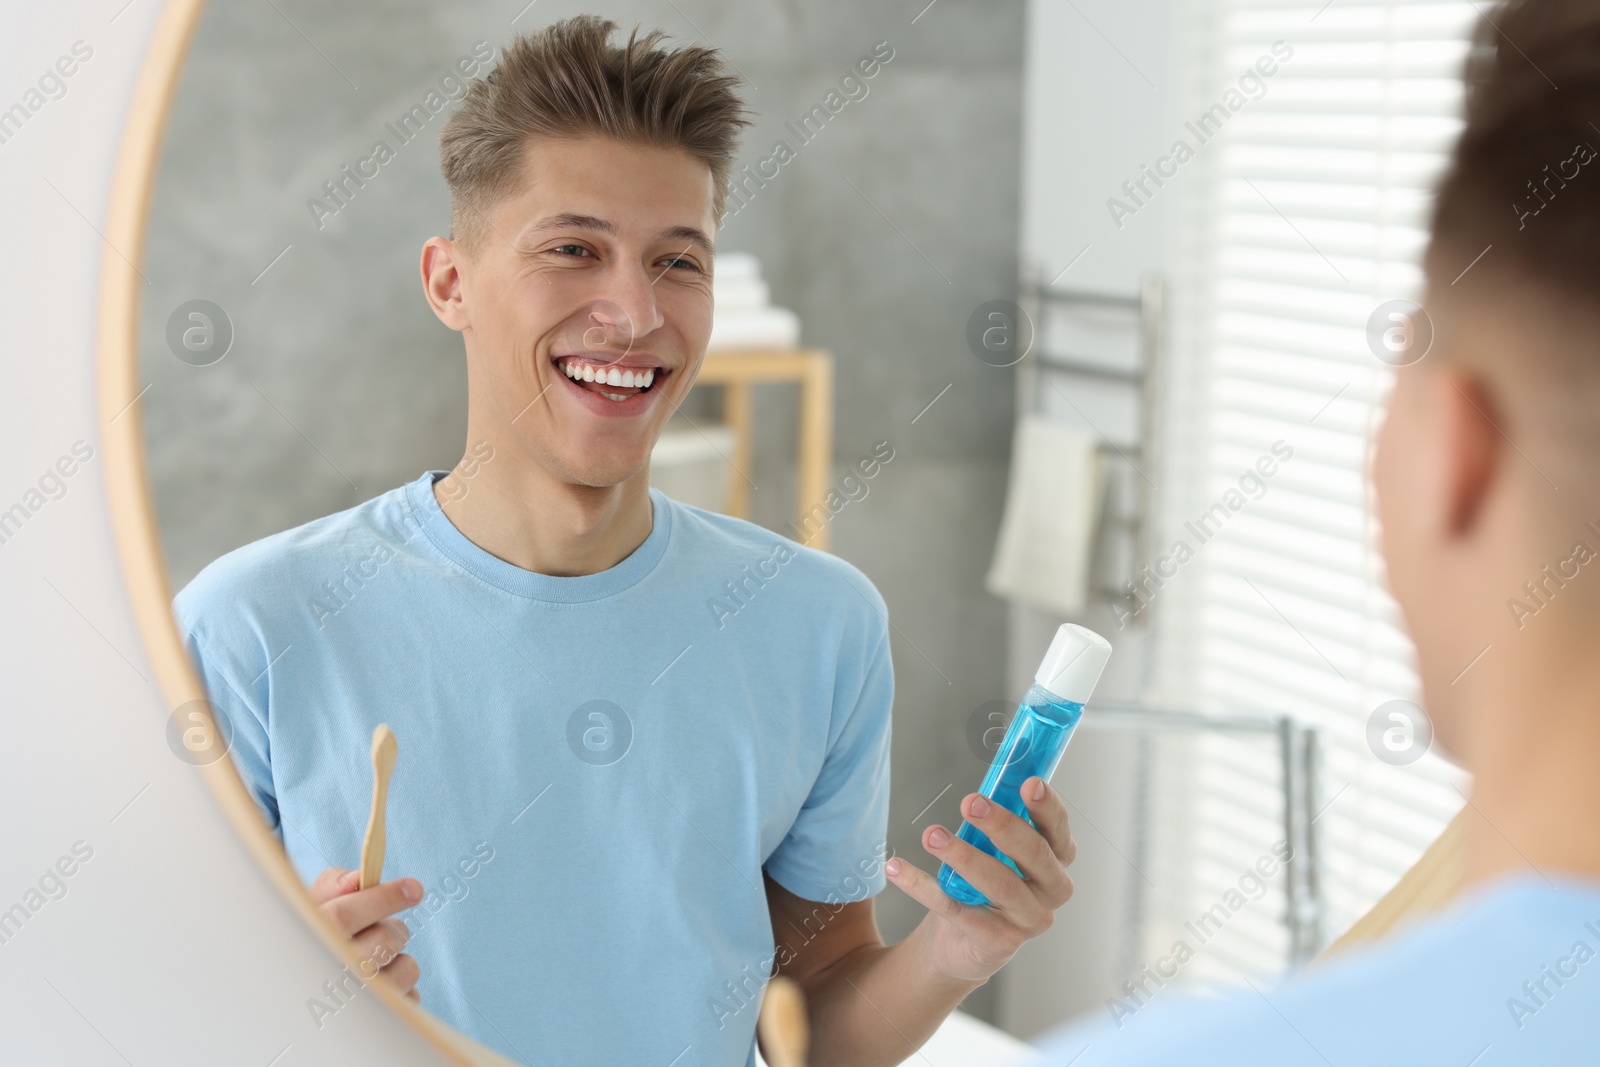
(737, 371)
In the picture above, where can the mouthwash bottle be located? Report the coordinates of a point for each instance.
(1035, 740)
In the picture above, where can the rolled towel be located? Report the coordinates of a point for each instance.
(743, 318)
(737, 265)
(1046, 536)
(740, 294)
(769, 327)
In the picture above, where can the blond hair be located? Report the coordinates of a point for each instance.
(567, 80)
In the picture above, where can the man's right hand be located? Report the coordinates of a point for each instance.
(363, 914)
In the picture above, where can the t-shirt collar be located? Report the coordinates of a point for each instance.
(459, 549)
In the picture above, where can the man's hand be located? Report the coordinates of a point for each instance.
(363, 914)
(972, 943)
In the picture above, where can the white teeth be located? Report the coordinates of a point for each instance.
(614, 396)
(587, 372)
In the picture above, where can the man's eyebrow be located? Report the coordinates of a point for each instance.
(571, 220)
(691, 235)
(568, 220)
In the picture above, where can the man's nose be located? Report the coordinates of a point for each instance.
(626, 311)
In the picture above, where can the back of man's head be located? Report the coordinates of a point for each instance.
(1516, 235)
(1488, 466)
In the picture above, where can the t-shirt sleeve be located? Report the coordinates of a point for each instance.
(241, 720)
(837, 845)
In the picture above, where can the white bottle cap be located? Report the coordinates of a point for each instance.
(1072, 666)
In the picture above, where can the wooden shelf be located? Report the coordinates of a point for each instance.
(736, 371)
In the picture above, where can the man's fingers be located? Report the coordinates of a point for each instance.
(382, 941)
(402, 972)
(334, 882)
(1027, 846)
(923, 888)
(364, 915)
(356, 911)
(1049, 813)
(986, 874)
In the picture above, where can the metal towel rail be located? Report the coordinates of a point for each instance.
(1041, 301)
(1299, 757)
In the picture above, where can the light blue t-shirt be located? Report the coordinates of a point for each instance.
(593, 771)
(1508, 975)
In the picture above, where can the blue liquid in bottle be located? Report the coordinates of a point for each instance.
(1033, 745)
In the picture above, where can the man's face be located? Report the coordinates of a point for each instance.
(588, 304)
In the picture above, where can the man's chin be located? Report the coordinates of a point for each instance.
(586, 473)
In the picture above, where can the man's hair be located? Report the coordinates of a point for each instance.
(567, 80)
(1516, 180)
(1516, 232)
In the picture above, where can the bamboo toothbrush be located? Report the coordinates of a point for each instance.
(384, 750)
(782, 1024)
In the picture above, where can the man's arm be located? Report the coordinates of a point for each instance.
(363, 914)
(867, 1003)
(873, 1005)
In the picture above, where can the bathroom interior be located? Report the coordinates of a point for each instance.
(1097, 276)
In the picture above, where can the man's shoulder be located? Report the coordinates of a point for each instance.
(279, 571)
(1491, 932)
(1430, 991)
(731, 544)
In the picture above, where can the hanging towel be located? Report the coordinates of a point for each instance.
(1041, 557)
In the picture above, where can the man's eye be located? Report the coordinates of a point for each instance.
(677, 261)
(575, 249)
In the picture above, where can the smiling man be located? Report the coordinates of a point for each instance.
(628, 816)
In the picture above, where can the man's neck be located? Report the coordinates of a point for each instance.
(523, 515)
(1533, 724)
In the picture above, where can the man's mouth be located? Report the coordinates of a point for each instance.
(616, 382)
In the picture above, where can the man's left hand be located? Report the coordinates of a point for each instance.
(970, 943)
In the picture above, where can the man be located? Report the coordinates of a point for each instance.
(1489, 490)
(632, 809)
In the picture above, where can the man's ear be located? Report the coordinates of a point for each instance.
(1472, 448)
(442, 260)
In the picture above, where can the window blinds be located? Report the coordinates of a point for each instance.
(1307, 209)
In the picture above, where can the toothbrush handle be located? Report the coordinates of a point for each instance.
(384, 750)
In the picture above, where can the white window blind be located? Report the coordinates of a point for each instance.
(1306, 211)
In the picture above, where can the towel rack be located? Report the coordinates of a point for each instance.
(1041, 301)
(1299, 761)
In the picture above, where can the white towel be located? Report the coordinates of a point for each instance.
(740, 294)
(743, 318)
(737, 265)
(1041, 557)
(769, 327)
